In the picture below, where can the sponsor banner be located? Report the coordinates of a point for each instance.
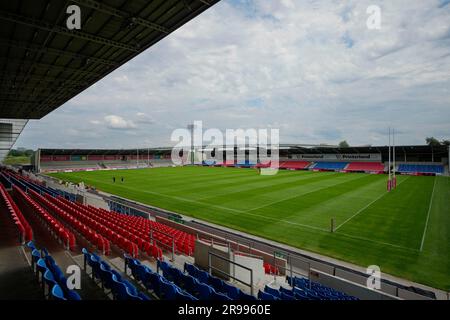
(339, 157)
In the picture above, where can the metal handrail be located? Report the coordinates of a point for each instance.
(166, 234)
(210, 268)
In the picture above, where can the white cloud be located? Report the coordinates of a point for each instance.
(311, 66)
(117, 122)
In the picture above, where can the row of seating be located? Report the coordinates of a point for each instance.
(270, 269)
(74, 222)
(217, 285)
(111, 280)
(25, 231)
(329, 165)
(142, 227)
(125, 237)
(57, 228)
(96, 229)
(202, 290)
(26, 183)
(155, 282)
(294, 164)
(51, 277)
(365, 166)
(106, 229)
(311, 289)
(420, 168)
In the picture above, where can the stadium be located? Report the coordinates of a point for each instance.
(328, 221)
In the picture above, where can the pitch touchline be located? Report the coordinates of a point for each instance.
(428, 215)
(365, 207)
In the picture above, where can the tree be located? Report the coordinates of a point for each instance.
(445, 142)
(343, 144)
(432, 141)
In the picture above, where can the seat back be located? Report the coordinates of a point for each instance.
(57, 293)
(272, 291)
(266, 296)
(204, 291)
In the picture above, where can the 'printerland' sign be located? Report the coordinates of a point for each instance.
(340, 157)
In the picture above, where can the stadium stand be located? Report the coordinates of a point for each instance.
(294, 164)
(33, 208)
(305, 289)
(25, 231)
(329, 165)
(111, 280)
(421, 168)
(365, 167)
(50, 275)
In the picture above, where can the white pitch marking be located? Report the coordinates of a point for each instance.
(428, 215)
(368, 205)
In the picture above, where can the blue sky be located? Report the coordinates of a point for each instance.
(310, 68)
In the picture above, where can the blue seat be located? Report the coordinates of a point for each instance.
(286, 291)
(57, 293)
(31, 245)
(131, 288)
(246, 297)
(44, 252)
(87, 257)
(132, 265)
(154, 283)
(35, 256)
(266, 296)
(190, 269)
(204, 291)
(73, 295)
(216, 296)
(231, 291)
(142, 273)
(203, 276)
(272, 291)
(117, 274)
(106, 276)
(184, 296)
(96, 257)
(178, 277)
(95, 265)
(285, 296)
(49, 259)
(58, 274)
(49, 280)
(190, 284)
(168, 291)
(216, 283)
(41, 267)
(144, 297)
(162, 265)
(121, 291)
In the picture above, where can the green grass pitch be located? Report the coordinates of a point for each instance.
(405, 232)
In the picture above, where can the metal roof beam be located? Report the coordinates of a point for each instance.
(49, 67)
(121, 14)
(62, 30)
(55, 52)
